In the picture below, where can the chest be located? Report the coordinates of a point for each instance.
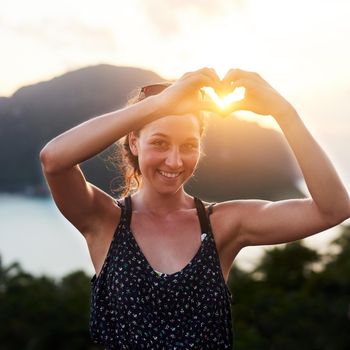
(168, 245)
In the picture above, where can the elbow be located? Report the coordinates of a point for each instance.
(346, 214)
(341, 214)
(43, 156)
(46, 160)
(53, 162)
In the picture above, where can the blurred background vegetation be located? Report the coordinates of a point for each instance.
(295, 298)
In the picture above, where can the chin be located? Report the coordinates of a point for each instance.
(170, 190)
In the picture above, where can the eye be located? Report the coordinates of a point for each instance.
(159, 143)
(190, 146)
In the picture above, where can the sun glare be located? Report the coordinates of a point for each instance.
(222, 101)
(236, 95)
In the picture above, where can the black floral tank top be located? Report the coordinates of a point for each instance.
(135, 307)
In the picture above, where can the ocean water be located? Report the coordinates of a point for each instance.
(34, 233)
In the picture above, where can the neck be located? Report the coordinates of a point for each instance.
(157, 203)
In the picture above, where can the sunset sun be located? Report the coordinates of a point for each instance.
(223, 101)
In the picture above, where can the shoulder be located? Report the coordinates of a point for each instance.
(226, 219)
(226, 208)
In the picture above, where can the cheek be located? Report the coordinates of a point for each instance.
(152, 158)
(192, 159)
(148, 158)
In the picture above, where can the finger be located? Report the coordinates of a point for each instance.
(211, 106)
(236, 106)
(238, 74)
(232, 74)
(186, 75)
(204, 70)
(205, 79)
(241, 83)
(221, 89)
(215, 75)
(210, 72)
(207, 106)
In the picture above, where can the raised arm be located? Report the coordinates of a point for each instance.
(93, 136)
(82, 203)
(265, 222)
(86, 140)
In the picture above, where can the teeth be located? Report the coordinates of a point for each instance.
(169, 174)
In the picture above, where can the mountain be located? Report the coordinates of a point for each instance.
(243, 160)
(37, 113)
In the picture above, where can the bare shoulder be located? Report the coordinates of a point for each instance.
(225, 221)
(227, 209)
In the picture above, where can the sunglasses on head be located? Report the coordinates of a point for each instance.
(154, 89)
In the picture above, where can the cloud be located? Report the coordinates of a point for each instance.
(167, 17)
(66, 34)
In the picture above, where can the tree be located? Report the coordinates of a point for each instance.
(41, 313)
(285, 304)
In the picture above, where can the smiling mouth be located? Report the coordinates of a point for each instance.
(169, 175)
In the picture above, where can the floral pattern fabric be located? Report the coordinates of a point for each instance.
(135, 307)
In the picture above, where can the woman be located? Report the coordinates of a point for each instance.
(161, 256)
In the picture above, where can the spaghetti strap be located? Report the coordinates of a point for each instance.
(210, 208)
(128, 209)
(202, 215)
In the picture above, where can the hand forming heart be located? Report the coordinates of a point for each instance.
(223, 100)
(248, 91)
(238, 90)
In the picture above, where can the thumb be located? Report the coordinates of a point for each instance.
(210, 106)
(233, 107)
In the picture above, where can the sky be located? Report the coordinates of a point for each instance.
(301, 47)
(289, 42)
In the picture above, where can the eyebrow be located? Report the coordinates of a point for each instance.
(168, 137)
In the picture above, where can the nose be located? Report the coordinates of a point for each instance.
(173, 159)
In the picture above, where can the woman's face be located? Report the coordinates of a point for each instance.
(168, 151)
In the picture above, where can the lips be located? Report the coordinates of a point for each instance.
(169, 175)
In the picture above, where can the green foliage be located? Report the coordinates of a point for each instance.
(40, 313)
(282, 304)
